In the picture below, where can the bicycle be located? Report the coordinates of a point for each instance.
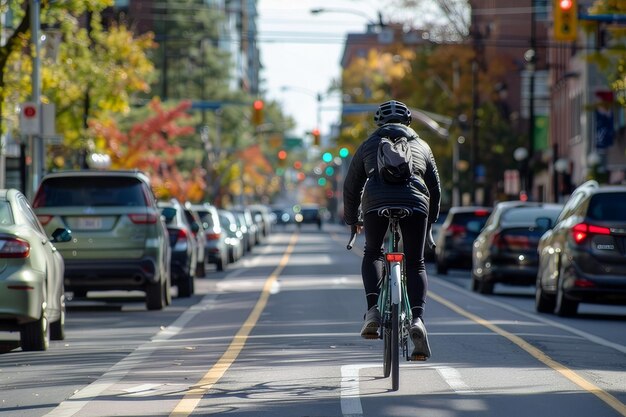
(393, 301)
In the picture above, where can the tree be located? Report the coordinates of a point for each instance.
(92, 73)
(152, 146)
(611, 57)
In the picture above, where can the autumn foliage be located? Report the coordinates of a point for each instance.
(150, 146)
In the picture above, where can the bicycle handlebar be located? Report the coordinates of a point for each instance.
(351, 241)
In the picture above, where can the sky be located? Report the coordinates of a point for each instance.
(301, 53)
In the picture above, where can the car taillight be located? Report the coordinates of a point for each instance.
(182, 235)
(44, 219)
(455, 230)
(143, 218)
(515, 242)
(581, 231)
(481, 213)
(11, 247)
(213, 236)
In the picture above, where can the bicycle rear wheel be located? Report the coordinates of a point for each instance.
(395, 348)
(387, 348)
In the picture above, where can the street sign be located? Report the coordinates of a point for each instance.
(30, 119)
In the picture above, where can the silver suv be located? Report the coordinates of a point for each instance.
(119, 239)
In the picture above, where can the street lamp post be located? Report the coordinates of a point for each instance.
(357, 12)
(35, 141)
(521, 156)
(319, 97)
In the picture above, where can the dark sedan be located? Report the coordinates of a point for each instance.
(456, 237)
(505, 251)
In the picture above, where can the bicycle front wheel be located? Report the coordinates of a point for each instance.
(395, 348)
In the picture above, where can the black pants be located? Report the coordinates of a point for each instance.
(413, 230)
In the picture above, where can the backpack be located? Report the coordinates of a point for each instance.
(395, 160)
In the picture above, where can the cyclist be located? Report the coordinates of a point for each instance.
(364, 191)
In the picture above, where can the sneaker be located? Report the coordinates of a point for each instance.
(372, 324)
(421, 350)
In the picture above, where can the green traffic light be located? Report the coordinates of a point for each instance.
(330, 171)
(344, 152)
(321, 182)
(327, 157)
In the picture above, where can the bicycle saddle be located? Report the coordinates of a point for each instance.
(397, 212)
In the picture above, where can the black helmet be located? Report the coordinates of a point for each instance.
(392, 111)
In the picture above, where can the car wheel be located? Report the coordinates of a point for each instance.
(486, 287)
(34, 336)
(441, 268)
(564, 306)
(57, 328)
(155, 296)
(544, 303)
(200, 271)
(185, 286)
(220, 264)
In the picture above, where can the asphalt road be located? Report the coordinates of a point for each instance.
(277, 335)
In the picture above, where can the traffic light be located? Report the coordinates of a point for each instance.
(565, 20)
(257, 112)
(282, 157)
(316, 136)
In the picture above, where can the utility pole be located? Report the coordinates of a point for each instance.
(36, 141)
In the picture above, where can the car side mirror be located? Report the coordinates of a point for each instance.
(61, 235)
(195, 228)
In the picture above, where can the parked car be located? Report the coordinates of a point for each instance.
(248, 227)
(215, 237)
(308, 214)
(456, 237)
(582, 258)
(234, 237)
(32, 294)
(119, 240)
(184, 259)
(505, 251)
(261, 216)
(429, 253)
(199, 233)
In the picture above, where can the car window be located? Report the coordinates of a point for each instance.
(91, 191)
(463, 219)
(528, 215)
(607, 207)
(6, 216)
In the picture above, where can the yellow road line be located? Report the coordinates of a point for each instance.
(194, 395)
(607, 398)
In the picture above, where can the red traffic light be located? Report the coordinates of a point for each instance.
(282, 154)
(566, 4)
(258, 105)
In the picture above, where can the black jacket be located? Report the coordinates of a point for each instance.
(363, 187)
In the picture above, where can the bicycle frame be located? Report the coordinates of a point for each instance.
(393, 301)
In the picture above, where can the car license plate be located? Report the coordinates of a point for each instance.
(89, 223)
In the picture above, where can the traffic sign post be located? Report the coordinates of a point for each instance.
(30, 119)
